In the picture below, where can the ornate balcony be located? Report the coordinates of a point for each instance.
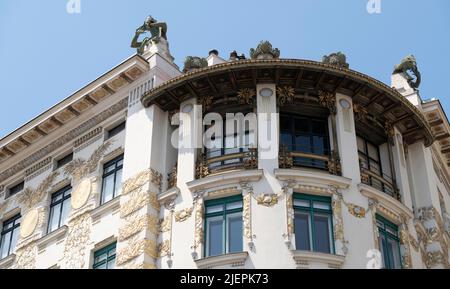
(291, 159)
(215, 162)
(382, 183)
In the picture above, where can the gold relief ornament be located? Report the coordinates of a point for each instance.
(134, 225)
(137, 201)
(328, 100)
(198, 235)
(75, 246)
(80, 168)
(165, 224)
(26, 257)
(357, 211)
(81, 194)
(267, 200)
(183, 215)
(285, 95)
(246, 95)
(164, 249)
(29, 223)
(30, 198)
(136, 182)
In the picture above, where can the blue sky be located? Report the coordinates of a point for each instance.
(47, 54)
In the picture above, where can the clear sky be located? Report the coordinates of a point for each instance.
(46, 54)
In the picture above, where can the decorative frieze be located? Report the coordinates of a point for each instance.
(87, 137)
(30, 198)
(38, 169)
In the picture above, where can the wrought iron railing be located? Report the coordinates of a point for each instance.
(209, 165)
(382, 183)
(289, 159)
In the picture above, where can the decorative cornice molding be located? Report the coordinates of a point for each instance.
(70, 136)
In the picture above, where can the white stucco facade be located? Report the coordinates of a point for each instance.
(157, 218)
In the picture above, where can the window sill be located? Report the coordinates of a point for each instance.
(225, 178)
(386, 202)
(233, 260)
(314, 177)
(7, 262)
(304, 258)
(169, 195)
(107, 207)
(52, 237)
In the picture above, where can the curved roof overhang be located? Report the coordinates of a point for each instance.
(380, 100)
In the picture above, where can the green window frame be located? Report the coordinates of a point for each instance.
(105, 258)
(223, 226)
(310, 213)
(389, 242)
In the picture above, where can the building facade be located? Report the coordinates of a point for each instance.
(359, 178)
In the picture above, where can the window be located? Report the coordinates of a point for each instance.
(116, 130)
(389, 242)
(369, 159)
(10, 235)
(64, 161)
(105, 258)
(16, 189)
(305, 135)
(112, 179)
(228, 145)
(223, 231)
(313, 224)
(59, 209)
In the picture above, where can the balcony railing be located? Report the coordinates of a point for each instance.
(382, 183)
(209, 165)
(289, 159)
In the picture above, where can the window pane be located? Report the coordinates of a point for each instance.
(301, 125)
(65, 212)
(112, 264)
(319, 145)
(361, 145)
(302, 235)
(322, 233)
(108, 188)
(303, 144)
(101, 267)
(322, 206)
(118, 185)
(373, 152)
(215, 236)
(100, 258)
(6, 239)
(15, 238)
(233, 206)
(54, 218)
(394, 254)
(319, 127)
(382, 242)
(214, 209)
(235, 233)
(286, 139)
(302, 203)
